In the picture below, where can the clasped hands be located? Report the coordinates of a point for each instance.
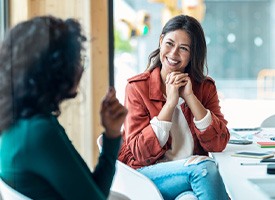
(178, 84)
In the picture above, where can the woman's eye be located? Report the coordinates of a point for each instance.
(184, 49)
(169, 43)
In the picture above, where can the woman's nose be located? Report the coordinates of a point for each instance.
(175, 50)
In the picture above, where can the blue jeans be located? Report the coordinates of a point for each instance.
(174, 178)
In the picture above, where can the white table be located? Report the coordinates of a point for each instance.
(236, 176)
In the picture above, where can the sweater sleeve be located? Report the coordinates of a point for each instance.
(204, 122)
(105, 169)
(53, 157)
(161, 129)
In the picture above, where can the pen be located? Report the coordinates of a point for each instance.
(254, 164)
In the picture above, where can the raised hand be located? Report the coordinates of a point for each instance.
(112, 114)
(177, 85)
(186, 90)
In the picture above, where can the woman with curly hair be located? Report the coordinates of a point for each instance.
(40, 66)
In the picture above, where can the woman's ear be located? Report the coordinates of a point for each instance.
(160, 39)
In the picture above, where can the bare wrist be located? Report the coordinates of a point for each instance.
(189, 96)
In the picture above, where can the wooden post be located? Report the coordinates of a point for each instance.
(99, 63)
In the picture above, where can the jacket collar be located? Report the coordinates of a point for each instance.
(155, 92)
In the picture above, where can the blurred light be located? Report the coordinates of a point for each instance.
(258, 41)
(139, 27)
(231, 37)
(208, 40)
(145, 30)
(194, 8)
(192, 3)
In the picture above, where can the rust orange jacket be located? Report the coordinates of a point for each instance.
(144, 100)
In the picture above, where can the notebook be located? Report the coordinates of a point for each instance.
(249, 154)
(266, 144)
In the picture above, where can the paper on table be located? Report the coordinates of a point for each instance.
(262, 134)
(244, 134)
(265, 134)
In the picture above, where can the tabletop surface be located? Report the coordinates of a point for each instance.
(245, 181)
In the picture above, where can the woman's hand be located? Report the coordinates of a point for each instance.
(112, 114)
(186, 90)
(177, 85)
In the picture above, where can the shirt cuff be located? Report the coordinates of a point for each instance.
(111, 146)
(204, 122)
(161, 129)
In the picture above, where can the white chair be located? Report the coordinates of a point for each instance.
(8, 193)
(269, 122)
(131, 183)
(117, 196)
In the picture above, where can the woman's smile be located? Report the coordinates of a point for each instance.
(172, 61)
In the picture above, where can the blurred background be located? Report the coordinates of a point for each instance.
(239, 34)
(240, 43)
(240, 37)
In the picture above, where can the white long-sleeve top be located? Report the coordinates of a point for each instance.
(182, 140)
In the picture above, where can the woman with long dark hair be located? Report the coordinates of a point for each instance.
(174, 118)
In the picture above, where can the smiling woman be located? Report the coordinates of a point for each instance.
(174, 116)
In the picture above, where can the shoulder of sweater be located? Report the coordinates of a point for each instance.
(40, 120)
(46, 126)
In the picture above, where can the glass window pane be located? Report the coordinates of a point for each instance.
(3, 18)
(240, 44)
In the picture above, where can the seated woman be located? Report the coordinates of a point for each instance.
(174, 117)
(40, 66)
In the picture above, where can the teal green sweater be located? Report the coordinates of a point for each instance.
(39, 161)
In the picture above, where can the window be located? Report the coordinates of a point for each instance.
(3, 18)
(240, 44)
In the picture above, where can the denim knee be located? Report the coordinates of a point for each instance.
(204, 168)
(206, 181)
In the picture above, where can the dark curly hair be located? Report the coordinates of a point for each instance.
(40, 64)
(197, 64)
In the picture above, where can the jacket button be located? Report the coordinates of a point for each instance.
(148, 161)
(223, 135)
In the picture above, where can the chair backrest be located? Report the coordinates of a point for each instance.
(269, 122)
(117, 196)
(131, 183)
(266, 84)
(8, 193)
